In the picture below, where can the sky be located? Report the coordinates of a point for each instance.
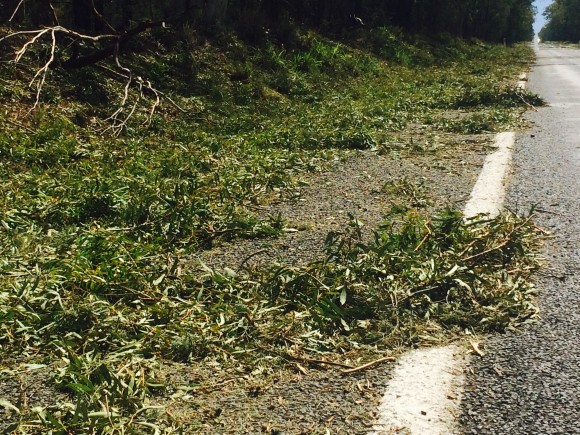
(540, 20)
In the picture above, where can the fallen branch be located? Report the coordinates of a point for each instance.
(368, 365)
(531, 106)
(63, 30)
(119, 124)
(39, 78)
(119, 41)
(249, 257)
(487, 251)
(147, 85)
(123, 113)
(318, 361)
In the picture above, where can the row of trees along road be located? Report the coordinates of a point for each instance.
(79, 33)
(563, 21)
(492, 20)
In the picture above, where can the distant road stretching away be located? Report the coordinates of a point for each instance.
(529, 381)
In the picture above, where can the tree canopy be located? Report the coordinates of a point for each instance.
(563, 21)
(493, 20)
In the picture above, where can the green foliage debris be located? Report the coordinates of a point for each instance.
(97, 230)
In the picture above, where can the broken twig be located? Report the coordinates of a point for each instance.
(318, 361)
(368, 365)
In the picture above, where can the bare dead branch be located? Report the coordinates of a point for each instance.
(60, 29)
(366, 366)
(527, 103)
(22, 51)
(40, 76)
(110, 50)
(53, 13)
(117, 123)
(120, 118)
(126, 109)
(146, 85)
(155, 104)
(16, 10)
(101, 18)
(173, 103)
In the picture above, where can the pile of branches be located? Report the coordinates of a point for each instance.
(69, 49)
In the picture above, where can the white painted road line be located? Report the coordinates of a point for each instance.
(424, 394)
(489, 192)
(522, 82)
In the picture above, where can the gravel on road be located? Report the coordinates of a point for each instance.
(327, 401)
(359, 185)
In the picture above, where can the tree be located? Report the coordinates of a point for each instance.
(563, 21)
(493, 20)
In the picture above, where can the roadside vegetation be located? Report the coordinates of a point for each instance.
(100, 217)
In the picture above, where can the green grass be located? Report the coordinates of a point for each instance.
(96, 230)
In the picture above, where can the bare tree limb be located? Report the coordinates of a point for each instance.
(117, 40)
(16, 10)
(119, 123)
(60, 29)
(53, 13)
(146, 85)
(155, 104)
(40, 76)
(101, 18)
(129, 101)
(110, 50)
(366, 366)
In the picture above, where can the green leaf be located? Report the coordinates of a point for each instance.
(8, 405)
(343, 296)
(453, 270)
(79, 388)
(159, 280)
(462, 283)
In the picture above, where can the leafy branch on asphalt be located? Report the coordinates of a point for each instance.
(417, 277)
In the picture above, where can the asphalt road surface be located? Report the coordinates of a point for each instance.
(529, 381)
